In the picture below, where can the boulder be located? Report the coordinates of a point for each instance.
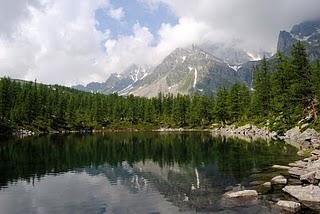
(289, 206)
(297, 172)
(310, 177)
(245, 194)
(279, 180)
(293, 133)
(309, 196)
(309, 135)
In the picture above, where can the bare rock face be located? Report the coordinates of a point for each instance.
(306, 32)
(279, 180)
(289, 206)
(307, 195)
(245, 194)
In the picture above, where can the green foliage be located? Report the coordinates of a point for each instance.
(262, 96)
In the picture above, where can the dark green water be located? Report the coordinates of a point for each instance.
(132, 172)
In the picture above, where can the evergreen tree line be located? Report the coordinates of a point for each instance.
(285, 91)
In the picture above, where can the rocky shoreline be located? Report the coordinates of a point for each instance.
(308, 138)
(303, 190)
(248, 131)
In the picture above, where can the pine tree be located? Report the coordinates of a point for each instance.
(301, 87)
(221, 106)
(262, 93)
(239, 99)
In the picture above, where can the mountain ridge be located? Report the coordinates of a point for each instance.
(204, 68)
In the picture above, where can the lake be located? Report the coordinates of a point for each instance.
(134, 172)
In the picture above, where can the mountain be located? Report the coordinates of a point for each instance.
(204, 68)
(118, 83)
(307, 32)
(185, 71)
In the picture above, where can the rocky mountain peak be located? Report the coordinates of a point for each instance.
(307, 32)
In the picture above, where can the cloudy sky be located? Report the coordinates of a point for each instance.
(79, 41)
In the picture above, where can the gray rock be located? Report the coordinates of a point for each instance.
(280, 167)
(316, 152)
(317, 175)
(300, 164)
(289, 206)
(310, 177)
(307, 195)
(242, 194)
(297, 172)
(255, 183)
(267, 184)
(279, 180)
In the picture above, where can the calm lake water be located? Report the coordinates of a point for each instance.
(133, 173)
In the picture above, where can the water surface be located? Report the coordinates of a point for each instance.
(133, 172)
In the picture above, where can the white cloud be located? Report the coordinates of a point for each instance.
(139, 48)
(59, 44)
(55, 41)
(117, 14)
(13, 12)
(255, 22)
(128, 50)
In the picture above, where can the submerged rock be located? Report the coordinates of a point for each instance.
(307, 195)
(240, 198)
(289, 206)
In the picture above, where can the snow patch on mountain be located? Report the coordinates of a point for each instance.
(184, 59)
(235, 67)
(195, 78)
(254, 57)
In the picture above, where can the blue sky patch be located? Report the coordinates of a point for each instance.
(135, 12)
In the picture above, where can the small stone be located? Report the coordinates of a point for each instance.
(289, 206)
(267, 184)
(280, 167)
(279, 180)
(310, 159)
(242, 194)
(316, 145)
(255, 183)
(300, 164)
(316, 152)
(300, 153)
